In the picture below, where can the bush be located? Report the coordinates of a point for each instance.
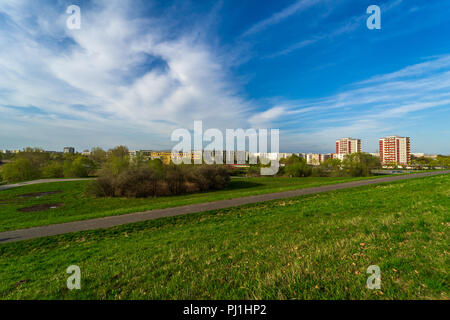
(254, 170)
(20, 169)
(319, 171)
(209, 177)
(137, 182)
(175, 178)
(153, 180)
(103, 186)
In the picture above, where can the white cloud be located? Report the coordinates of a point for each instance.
(97, 69)
(296, 7)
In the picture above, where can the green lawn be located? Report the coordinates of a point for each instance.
(78, 206)
(310, 247)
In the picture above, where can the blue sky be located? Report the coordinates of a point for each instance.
(137, 70)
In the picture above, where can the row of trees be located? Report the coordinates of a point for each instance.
(426, 162)
(34, 163)
(354, 165)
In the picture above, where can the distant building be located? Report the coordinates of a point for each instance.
(418, 154)
(348, 146)
(86, 153)
(339, 156)
(421, 154)
(395, 149)
(316, 159)
(70, 150)
(284, 155)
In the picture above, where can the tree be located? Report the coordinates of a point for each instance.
(54, 169)
(98, 155)
(36, 156)
(332, 167)
(297, 167)
(139, 160)
(119, 152)
(20, 169)
(81, 167)
(116, 165)
(360, 164)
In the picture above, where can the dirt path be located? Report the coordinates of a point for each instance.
(107, 222)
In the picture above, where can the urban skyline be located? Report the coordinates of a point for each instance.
(339, 153)
(310, 68)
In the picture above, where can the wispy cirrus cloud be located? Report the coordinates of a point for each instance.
(121, 67)
(297, 7)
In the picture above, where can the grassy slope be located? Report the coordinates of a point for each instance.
(79, 206)
(310, 247)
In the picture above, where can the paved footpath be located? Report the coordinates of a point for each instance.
(107, 222)
(27, 183)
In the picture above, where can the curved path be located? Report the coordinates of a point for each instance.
(26, 183)
(107, 222)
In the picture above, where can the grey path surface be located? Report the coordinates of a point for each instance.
(26, 183)
(107, 222)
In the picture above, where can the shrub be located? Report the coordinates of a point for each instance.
(103, 186)
(175, 178)
(153, 180)
(209, 177)
(137, 182)
(254, 170)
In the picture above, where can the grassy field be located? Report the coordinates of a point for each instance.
(310, 247)
(78, 206)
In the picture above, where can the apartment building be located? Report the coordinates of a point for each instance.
(316, 159)
(70, 150)
(348, 145)
(395, 149)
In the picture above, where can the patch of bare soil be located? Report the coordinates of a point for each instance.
(41, 207)
(38, 194)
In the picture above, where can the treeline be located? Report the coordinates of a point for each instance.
(427, 162)
(353, 165)
(34, 163)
